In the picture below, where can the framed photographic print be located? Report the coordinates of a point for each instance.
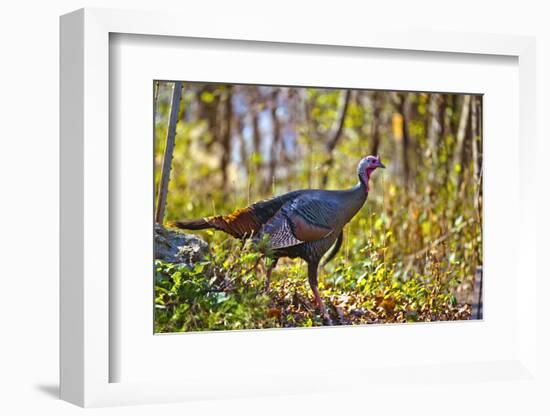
(247, 206)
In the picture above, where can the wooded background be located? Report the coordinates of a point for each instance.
(414, 252)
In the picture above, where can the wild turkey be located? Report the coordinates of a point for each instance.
(304, 223)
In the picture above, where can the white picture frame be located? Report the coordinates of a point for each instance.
(86, 356)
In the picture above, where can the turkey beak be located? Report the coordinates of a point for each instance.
(380, 164)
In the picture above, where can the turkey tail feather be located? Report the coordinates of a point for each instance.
(201, 224)
(242, 223)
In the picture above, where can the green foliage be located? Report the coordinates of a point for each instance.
(221, 292)
(227, 292)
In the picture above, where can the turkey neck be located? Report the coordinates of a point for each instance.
(353, 199)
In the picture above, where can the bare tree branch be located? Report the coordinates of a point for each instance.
(331, 145)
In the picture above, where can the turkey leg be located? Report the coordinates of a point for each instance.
(312, 277)
(268, 273)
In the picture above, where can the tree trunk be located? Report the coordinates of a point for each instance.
(476, 181)
(475, 138)
(242, 146)
(376, 106)
(435, 130)
(168, 153)
(256, 131)
(275, 143)
(331, 145)
(226, 138)
(458, 156)
(402, 133)
(156, 87)
(209, 110)
(477, 295)
(447, 123)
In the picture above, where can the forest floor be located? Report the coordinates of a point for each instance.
(227, 291)
(293, 305)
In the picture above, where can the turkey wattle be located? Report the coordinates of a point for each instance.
(304, 223)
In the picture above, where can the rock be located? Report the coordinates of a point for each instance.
(176, 247)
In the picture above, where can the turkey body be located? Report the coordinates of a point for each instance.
(300, 224)
(304, 223)
(310, 223)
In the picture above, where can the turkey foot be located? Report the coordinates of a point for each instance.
(322, 309)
